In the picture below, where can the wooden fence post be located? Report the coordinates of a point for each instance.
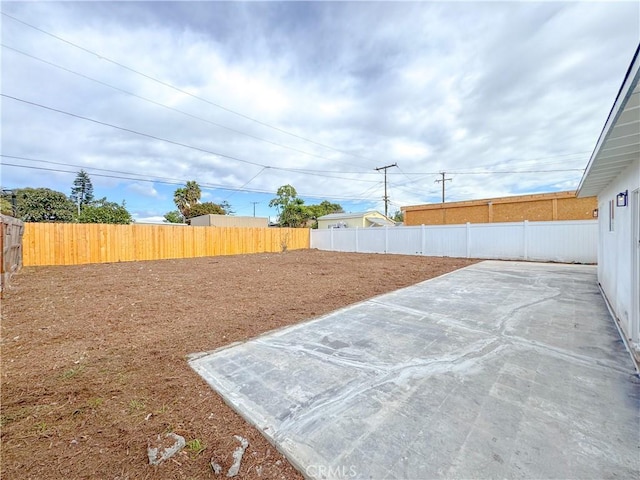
(11, 248)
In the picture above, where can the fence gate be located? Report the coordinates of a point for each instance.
(11, 248)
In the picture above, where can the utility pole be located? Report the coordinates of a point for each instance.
(443, 180)
(386, 197)
(254, 207)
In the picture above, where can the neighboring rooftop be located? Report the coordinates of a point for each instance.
(338, 216)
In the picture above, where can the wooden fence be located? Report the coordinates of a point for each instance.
(11, 248)
(79, 243)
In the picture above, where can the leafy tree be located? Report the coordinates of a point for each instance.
(226, 206)
(323, 208)
(286, 194)
(206, 208)
(43, 205)
(290, 208)
(103, 211)
(82, 191)
(6, 208)
(294, 213)
(398, 217)
(174, 216)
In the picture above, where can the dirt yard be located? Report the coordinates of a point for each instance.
(94, 357)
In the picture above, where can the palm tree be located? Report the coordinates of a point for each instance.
(188, 196)
(180, 199)
(192, 192)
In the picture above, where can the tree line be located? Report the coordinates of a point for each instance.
(187, 201)
(292, 212)
(46, 205)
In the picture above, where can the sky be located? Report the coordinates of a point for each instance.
(505, 98)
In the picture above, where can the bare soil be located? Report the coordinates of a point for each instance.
(94, 356)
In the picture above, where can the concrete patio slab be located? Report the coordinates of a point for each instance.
(501, 369)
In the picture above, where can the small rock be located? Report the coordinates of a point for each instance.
(160, 452)
(237, 456)
(216, 467)
(259, 470)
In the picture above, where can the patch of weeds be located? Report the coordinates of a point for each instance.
(163, 409)
(136, 405)
(95, 402)
(41, 427)
(72, 372)
(15, 416)
(5, 420)
(196, 446)
(284, 243)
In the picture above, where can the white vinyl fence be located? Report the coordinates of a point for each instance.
(574, 241)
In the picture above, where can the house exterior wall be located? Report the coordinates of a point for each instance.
(350, 222)
(616, 268)
(354, 221)
(539, 207)
(229, 221)
(617, 262)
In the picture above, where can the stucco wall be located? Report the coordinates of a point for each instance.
(229, 221)
(615, 251)
(540, 207)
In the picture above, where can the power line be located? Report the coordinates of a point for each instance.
(173, 87)
(386, 197)
(173, 142)
(124, 129)
(246, 183)
(297, 170)
(177, 110)
(83, 167)
(170, 181)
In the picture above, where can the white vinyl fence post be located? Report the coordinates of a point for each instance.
(422, 240)
(525, 233)
(468, 240)
(331, 238)
(386, 239)
(357, 245)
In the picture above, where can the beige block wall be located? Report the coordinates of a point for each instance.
(471, 214)
(577, 208)
(536, 211)
(229, 221)
(539, 207)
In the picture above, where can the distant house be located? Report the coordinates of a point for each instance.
(353, 220)
(228, 221)
(613, 174)
(536, 207)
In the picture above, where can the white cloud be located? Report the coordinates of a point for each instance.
(145, 189)
(432, 86)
